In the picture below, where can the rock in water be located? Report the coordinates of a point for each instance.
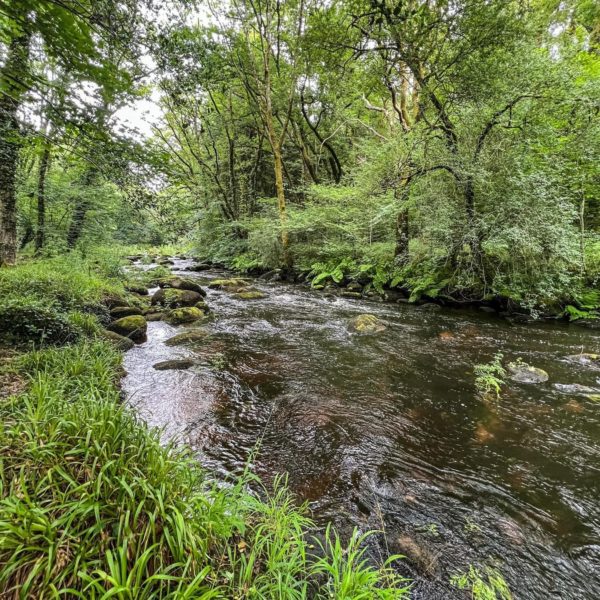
(365, 324)
(140, 290)
(181, 283)
(575, 388)
(176, 364)
(229, 285)
(587, 359)
(250, 295)
(524, 373)
(183, 315)
(133, 327)
(188, 337)
(174, 298)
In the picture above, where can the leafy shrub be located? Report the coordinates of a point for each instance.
(489, 585)
(29, 320)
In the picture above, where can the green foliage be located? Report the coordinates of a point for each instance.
(349, 576)
(490, 377)
(29, 320)
(486, 585)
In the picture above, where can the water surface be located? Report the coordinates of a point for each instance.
(387, 432)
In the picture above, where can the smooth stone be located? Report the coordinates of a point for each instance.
(355, 295)
(354, 286)
(524, 373)
(133, 327)
(175, 298)
(366, 323)
(178, 364)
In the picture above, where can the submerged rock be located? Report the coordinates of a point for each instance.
(588, 323)
(250, 295)
(181, 283)
(575, 388)
(230, 285)
(174, 298)
(188, 337)
(124, 311)
(175, 364)
(199, 267)
(133, 327)
(586, 359)
(524, 373)
(187, 314)
(118, 341)
(366, 323)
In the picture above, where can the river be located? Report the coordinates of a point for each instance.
(388, 432)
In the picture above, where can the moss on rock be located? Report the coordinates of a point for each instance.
(366, 323)
(133, 326)
(173, 298)
(187, 314)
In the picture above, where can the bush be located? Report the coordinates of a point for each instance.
(27, 320)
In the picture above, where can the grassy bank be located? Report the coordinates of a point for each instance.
(93, 506)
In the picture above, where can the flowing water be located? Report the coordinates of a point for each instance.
(387, 431)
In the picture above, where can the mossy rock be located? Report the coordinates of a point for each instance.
(140, 290)
(188, 314)
(366, 324)
(118, 341)
(229, 285)
(173, 298)
(133, 327)
(177, 364)
(349, 294)
(154, 316)
(202, 306)
(124, 311)
(250, 295)
(194, 336)
(111, 300)
(181, 283)
(524, 373)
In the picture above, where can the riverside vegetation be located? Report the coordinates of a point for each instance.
(420, 151)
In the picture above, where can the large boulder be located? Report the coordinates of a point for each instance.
(181, 283)
(523, 373)
(366, 324)
(133, 327)
(174, 298)
(188, 314)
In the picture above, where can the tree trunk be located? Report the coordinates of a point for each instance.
(16, 66)
(402, 226)
(82, 206)
(40, 234)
